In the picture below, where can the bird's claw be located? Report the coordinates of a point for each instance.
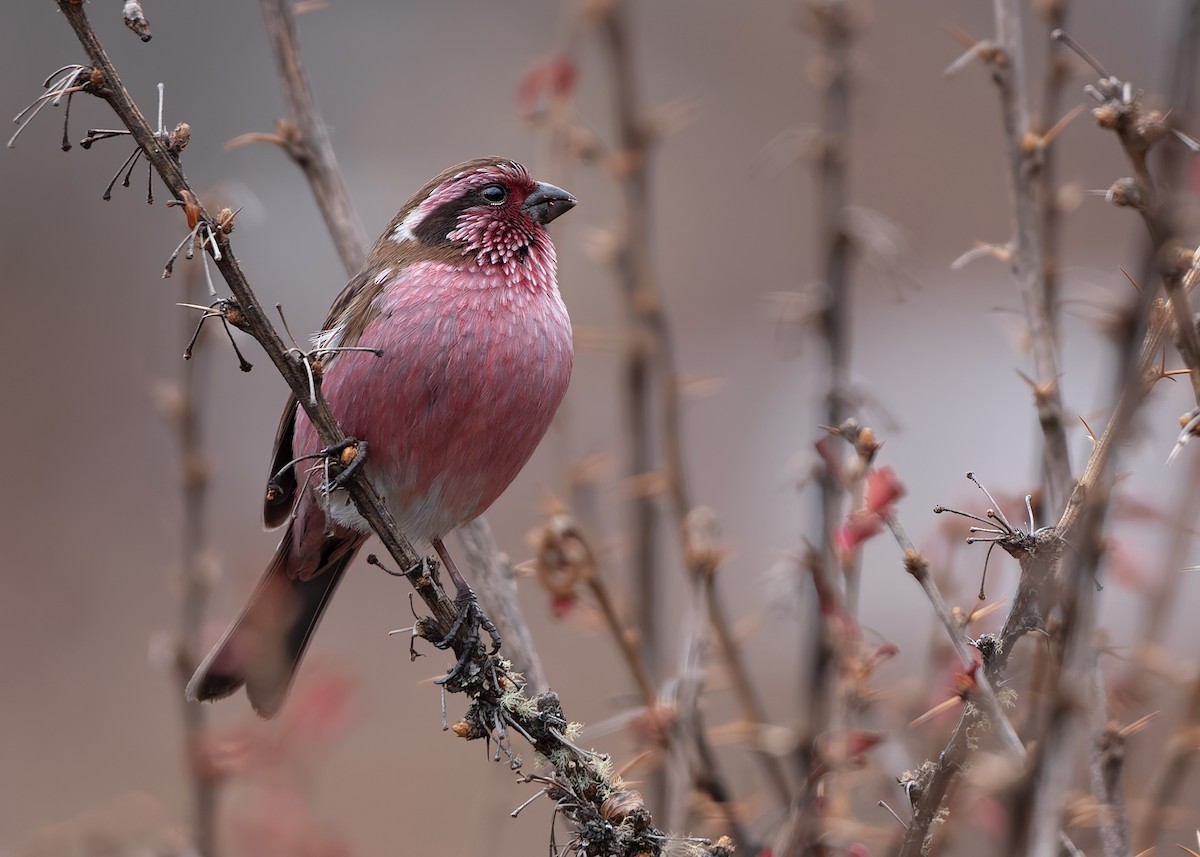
(337, 453)
(466, 627)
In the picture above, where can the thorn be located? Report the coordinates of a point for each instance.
(70, 79)
(1060, 35)
(984, 51)
(884, 805)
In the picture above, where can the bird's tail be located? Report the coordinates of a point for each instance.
(263, 647)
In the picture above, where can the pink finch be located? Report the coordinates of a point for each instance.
(449, 354)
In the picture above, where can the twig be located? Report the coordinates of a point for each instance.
(1028, 261)
(647, 333)
(309, 145)
(833, 25)
(983, 695)
(564, 559)
(652, 359)
(1106, 761)
(1045, 179)
(496, 581)
(1166, 783)
(586, 783)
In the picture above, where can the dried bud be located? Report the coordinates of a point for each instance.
(466, 729)
(1126, 193)
(1031, 142)
(96, 78)
(866, 445)
(1107, 116)
(701, 551)
(1152, 127)
(180, 137)
(225, 220)
(915, 564)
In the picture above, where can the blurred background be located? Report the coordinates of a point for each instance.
(90, 729)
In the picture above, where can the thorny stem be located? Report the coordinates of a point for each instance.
(1045, 180)
(309, 147)
(646, 325)
(833, 24)
(1167, 782)
(984, 695)
(832, 19)
(541, 718)
(652, 370)
(1079, 526)
(1029, 267)
(1105, 765)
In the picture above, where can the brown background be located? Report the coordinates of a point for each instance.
(90, 514)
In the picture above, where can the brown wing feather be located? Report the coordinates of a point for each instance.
(353, 302)
(281, 496)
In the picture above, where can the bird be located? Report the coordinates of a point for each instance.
(449, 353)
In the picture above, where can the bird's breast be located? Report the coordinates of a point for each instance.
(471, 372)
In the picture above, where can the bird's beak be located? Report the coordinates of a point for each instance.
(547, 202)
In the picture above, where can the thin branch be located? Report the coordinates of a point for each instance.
(1166, 783)
(833, 26)
(309, 146)
(653, 373)
(983, 694)
(1106, 762)
(1028, 260)
(646, 331)
(496, 581)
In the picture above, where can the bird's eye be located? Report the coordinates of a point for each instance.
(494, 193)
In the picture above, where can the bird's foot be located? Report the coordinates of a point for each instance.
(348, 454)
(471, 619)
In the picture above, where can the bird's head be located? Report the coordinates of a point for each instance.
(489, 209)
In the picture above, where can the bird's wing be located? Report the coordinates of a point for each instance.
(349, 315)
(281, 491)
